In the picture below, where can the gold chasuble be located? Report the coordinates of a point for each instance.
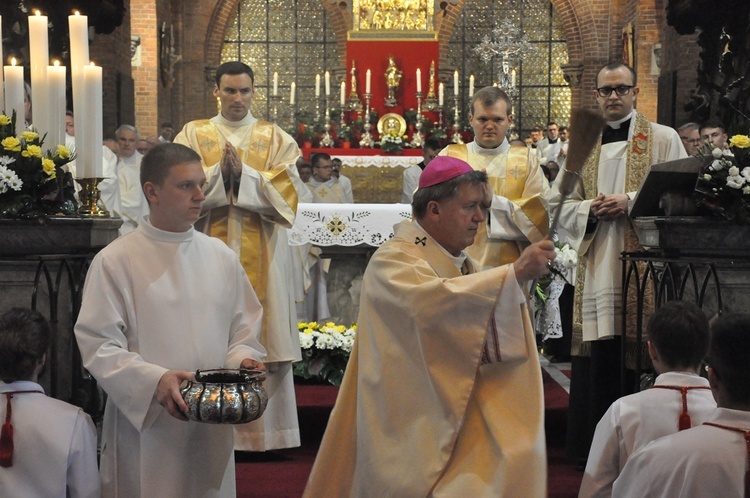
(517, 177)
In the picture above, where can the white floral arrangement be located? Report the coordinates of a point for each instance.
(548, 290)
(723, 186)
(325, 351)
(392, 143)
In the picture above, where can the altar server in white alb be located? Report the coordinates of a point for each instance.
(252, 192)
(325, 187)
(158, 304)
(680, 398)
(711, 459)
(47, 447)
(442, 395)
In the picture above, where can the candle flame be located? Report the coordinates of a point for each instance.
(37, 12)
(57, 63)
(76, 13)
(13, 61)
(92, 64)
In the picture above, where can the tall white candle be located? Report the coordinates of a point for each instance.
(513, 78)
(292, 91)
(275, 83)
(328, 83)
(92, 155)
(56, 83)
(78, 26)
(367, 82)
(2, 61)
(471, 86)
(441, 93)
(343, 94)
(14, 92)
(317, 85)
(455, 82)
(419, 80)
(39, 54)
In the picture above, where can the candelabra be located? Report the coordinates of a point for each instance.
(456, 124)
(417, 140)
(440, 116)
(342, 121)
(275, 107)
(89, 196)
(317, 109)
(326, 140)
(367, 140)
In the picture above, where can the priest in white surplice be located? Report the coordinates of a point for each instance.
(251, 198)
(594, 221)
(158, 304)
(442, 395)
(133, 205)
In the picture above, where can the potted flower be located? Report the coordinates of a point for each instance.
(307, 135)
(392, 143)
(344, 134)
(723, 186)
(325, 351)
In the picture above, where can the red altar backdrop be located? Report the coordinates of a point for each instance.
(408, 55)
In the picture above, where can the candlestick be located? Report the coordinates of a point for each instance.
(455, 82)
(274, 107)
(56, 82)
(89, 196)
(328, 83)
(367, 82)
(14, 93)
(275, 83)
(327, 140)
(417, 140)
(92, 155)
(367, 140)
(456, 124)
(317, 85)
(292, 91)
(441, 94)
(419, 80)
(79, 57)
(471, 86)
(39, 53)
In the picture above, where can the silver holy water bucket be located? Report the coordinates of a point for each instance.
(225, 396)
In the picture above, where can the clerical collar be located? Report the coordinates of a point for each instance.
(249, 119)
(458, 261)
(162, 235)
(474, 148)
(617, 131)
(615, 125)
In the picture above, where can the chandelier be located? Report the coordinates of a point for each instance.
(508, 43)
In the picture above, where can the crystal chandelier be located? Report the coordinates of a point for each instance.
(508, 43)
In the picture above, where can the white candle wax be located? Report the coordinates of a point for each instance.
(275, 83)
(441, 93)
(367, 82)
(92, 156)
(317, 85)
(343, 94)
(2, 93)
(14, 93)
(78, 26)
(56, 83)
(455, 83)
(39, 54)
(292, 90)
(419, 80)
(328, 83)
(471, 86)
(513, 79)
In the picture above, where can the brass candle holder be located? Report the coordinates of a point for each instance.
(367, 140)
(456, 125)
(417, 140)
(327, 140)
(89, 196)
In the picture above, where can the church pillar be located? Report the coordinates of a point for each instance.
(144, 24)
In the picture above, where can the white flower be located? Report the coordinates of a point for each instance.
(746, 189)
(707, 177)
(716, 165)
(734, 171)
(306, 340)
(735, 181)
(717, 153)
(324, 341)
(6, 160)
(746, 173)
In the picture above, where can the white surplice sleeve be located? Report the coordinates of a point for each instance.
(83, 472)
(605, 457)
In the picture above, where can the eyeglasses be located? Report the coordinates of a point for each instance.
(606, 91)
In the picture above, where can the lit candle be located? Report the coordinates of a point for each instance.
(39, 54)
(78, 27)
(471, 86)
(2, 94)
(92, 156)
(441, 93)
(455, 83)
(14, 92)
(291, 93)
(56, 82)
(419, 80)
(275, 83)
(367, 82)
(328, 83)
(317, 85)
(343, 94)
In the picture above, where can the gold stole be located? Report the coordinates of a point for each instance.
(254, 249)
(637, 163)
(510, 186)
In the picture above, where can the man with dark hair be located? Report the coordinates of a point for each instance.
(715, 132)
(442, 395)
(159, 304)
(518, 212)
(549, 145)
(594, 221)
(680, 398)
(252, 193)
(690, 134)
(711, 459)
(430, 150)
(324, 186)
(47, 447)
(536, 135)
(346, 184)
(166, 133)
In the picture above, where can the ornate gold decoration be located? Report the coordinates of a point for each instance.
(392, 79)
(405, 19)
(392, 124)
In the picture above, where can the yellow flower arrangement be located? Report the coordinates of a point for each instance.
(325, 351)
(723, 186)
